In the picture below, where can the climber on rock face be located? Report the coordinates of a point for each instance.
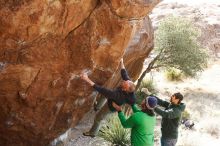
(121, 95)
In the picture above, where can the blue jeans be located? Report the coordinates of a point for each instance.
(168, 142)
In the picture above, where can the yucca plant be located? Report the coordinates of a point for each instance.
(113, 132)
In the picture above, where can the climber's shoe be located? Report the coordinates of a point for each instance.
(88, 134)
(95, 106)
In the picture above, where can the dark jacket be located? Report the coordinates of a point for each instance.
(117, 95)
(171, 117)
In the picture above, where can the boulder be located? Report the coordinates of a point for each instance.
(45, 45)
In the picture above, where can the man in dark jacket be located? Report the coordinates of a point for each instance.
(121, 95)
(171, 117)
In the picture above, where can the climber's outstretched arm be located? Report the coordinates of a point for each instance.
(110, 94)
(122, 64)
(124, 73)
(85, 77)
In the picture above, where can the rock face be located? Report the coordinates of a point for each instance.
(45, 45)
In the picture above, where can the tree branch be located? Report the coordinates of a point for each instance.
(147, 70)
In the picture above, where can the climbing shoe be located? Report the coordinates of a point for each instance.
(95, 106)
(88, 134)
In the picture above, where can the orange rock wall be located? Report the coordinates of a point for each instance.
(46, 44)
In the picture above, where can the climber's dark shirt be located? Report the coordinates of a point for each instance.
(117, 95)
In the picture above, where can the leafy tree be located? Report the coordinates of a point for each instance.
(177, 46)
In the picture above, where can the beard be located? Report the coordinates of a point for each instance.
(171, 101)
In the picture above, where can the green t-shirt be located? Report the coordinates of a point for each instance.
(142, 127)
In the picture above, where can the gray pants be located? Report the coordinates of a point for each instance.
(168, 142)
(99, 117)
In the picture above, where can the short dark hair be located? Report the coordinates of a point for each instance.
(179, 96)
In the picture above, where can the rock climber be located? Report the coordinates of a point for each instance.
(121, 95)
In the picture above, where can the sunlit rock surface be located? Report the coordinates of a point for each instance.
(45, 45)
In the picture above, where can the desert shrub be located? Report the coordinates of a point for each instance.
(113, 132)
(185, 115)
(149, 84)
(139, 97)
(146, 83)
(173, 74)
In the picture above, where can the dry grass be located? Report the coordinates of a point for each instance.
(195, 138)
(204, 111)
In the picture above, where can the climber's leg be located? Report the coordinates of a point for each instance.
(99, 103)
(100, 116)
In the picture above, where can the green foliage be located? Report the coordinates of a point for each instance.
(146, 83)
(139, 96)
(176, 42)
(173, 74)
(113, 132)
(185, 115)
(149, 84)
